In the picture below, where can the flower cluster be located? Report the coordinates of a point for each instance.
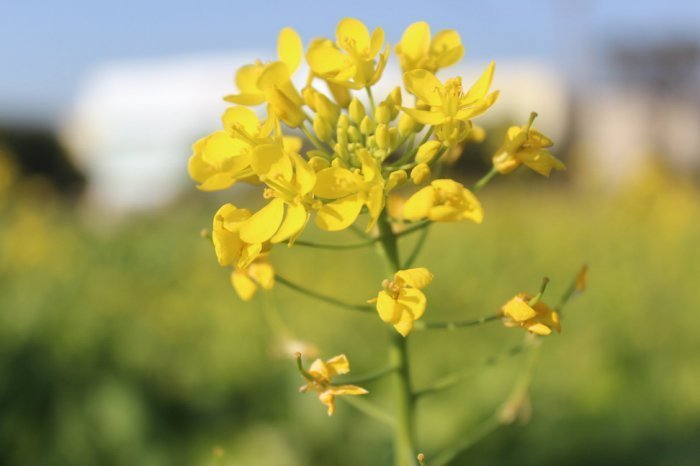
(360, 151)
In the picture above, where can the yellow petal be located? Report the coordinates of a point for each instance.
(447, 48)
(415, 41)
(242, 117)
(328, 399)
(405, 324)
(263, 273)
(375, 204)
(337, 365)
(482, 85)
(340, 390)
(264, 223)
(540, 160)
(376, 42)
(274, 74)
(340, 214)
(305, 175)
(387, 308)
(418, 206)
(248, 253)
(336, 182)
(539, 329)
(518, 309)
(414, 300)
(352, 35)
(424, 85)
(247, 78)
(325, 59)
(418, 277)
(290, 48)
(246, 99)
(221, 149)
(294, 221)
(269, 160)
(478, 108)
(425, 117)
(244, 286)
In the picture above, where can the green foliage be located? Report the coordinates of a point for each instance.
(127, 345)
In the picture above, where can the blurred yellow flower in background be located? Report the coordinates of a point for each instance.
(537, 318)
(417, 51)
(319, 378)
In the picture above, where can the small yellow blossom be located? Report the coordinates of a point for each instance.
(230, 248)
(402, 302)
(259, 274)
(417, 51)
(537, 318)
(444, 200)
(271, 82)
(447, 107)
(524, 145)
(351, 60)
(319, 378)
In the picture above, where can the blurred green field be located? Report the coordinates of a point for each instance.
(125, 345)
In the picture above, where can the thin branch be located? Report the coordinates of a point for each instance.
(451, 325)
(370, 410)
(464, 443)
(453, 379)
(485, 179)
(362, 244)
(417, 248)
(371, 376)
(321, 297)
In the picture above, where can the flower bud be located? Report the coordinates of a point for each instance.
(322, 128)
(341, 94)
(318, 163)
(309, 96)
(357, 111)
(428, 151)
(354, 134)
(326, 108)
(381, 136)
(343, 122)
(407, 125)
(396, 179)
(367, 126)
(382, 115)
(420, 173)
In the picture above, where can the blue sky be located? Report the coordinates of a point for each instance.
(46, 47)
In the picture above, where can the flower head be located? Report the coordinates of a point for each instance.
(230, 248)
(350, 61)
(417, 51)
(524, 145)
(402, 302)
(444, 200)
(536, 317)
(319, 378)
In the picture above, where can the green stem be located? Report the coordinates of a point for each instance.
(321, 297)
(422, 325)
(485, 179)
(404, 432)
(466, 442)
(417, 248)
(362, 244)
(371, 376)
(314, 140)
(371, 98)
(412, 229)
(450, 380)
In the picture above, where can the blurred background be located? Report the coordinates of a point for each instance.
(122, 342)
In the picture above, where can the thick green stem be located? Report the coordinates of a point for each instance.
(404, 432)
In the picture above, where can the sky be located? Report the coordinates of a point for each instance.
(47, 47)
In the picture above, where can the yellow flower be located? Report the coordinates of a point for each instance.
(401, 302)
(319, 378)
(290, 180)
(524, 145)
(351, 61)
(444, 200)
(447, 102)
(271, 82)
(350, 190)
(230, 248)
(417, 51)
(259, 273)
(537, 318)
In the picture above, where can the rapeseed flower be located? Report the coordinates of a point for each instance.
(444, 200)
(402, 302)
(417, 51)
(535, 317)
(319, 379)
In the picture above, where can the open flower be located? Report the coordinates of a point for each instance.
(444, 200)
(349, 62)
(524, 145)
(230, 248)
(402, 302)
(537, 318)
(447, 106)
(416, 50)
(350, 190)
(259, 83)
(258, 274)
(319, 378)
